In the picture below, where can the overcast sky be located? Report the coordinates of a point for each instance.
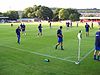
(22, 4)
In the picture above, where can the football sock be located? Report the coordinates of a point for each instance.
(56, 46)
(62, 48)
(94, 57)
(98, 58)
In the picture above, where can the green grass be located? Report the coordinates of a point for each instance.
(28, 57)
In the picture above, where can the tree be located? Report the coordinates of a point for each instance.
(35, 7)
(63, 14)
(74, 17)
(1, 13)
(74, 14)
(44, 13)
(28, 12)
(39, 13)
(13, 15)
(71, 14)
(56, 14)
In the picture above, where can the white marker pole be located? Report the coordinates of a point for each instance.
(79, 41)
(79, 44)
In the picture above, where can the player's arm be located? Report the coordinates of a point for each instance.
(59, 35)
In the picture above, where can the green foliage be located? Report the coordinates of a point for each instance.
(1, 14)
(28, 12)
(56, 14)
(46, 13)
(71, 14)
(38, 11)
(74, 17)
(13, 15)
(63, 14)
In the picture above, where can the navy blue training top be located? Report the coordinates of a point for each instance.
(59, 32)
(97, 39)
(18, 31)
(87, 27)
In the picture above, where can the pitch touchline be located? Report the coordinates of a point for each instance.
(40, 54)
(86, 55)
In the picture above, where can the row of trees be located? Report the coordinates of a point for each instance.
(39, 12)
(45, 13)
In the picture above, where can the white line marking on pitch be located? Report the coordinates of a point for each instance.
(86, 55)
(39, 53)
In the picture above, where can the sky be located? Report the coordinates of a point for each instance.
(6, 5)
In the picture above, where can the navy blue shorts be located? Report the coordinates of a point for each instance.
(97, 48)
(23, 29)
(87, 30)
(60, 40)
(40, 30)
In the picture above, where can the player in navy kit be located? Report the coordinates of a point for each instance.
(97, 46)
(87, 29)
(60, 38)
(18, 34)
(67, 25)
(40, 29)
(50, 24)
(23, 29)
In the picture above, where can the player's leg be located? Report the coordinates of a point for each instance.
(38, 33)
(18, 36)
(62, 46)
(86, 34)
(98, 56)
(61, 43)
(57, 45)
(24, 31)
(41, 32)
(59, 40)
(95, 53)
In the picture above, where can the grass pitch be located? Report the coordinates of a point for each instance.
(28, 57)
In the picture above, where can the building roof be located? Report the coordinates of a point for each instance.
(4, 17)
(89, 17)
